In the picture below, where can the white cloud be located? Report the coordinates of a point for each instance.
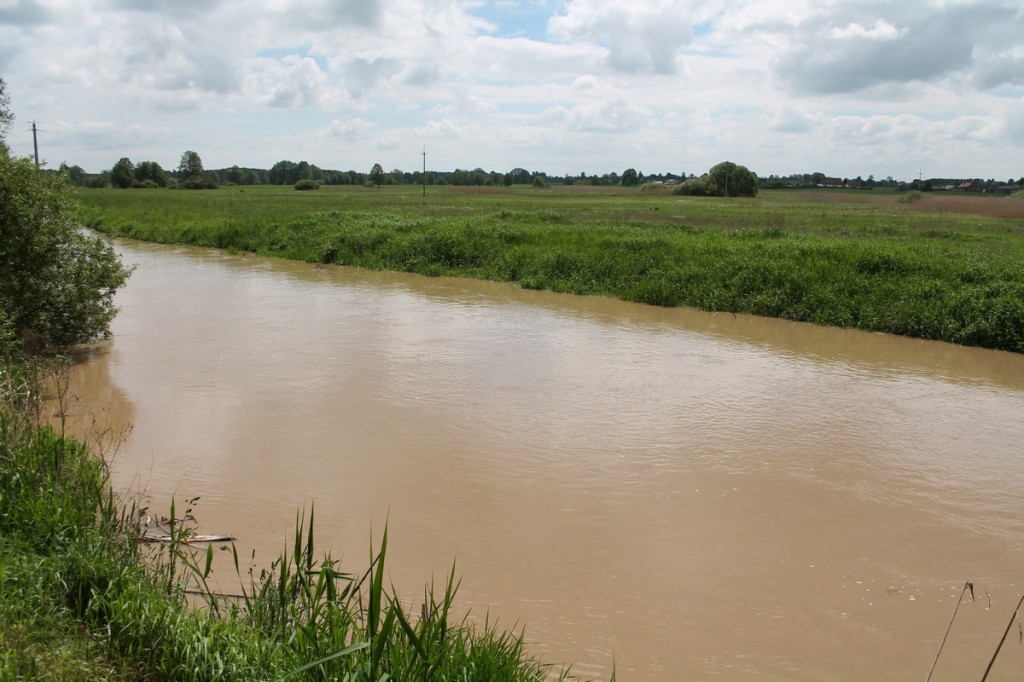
(320, 15)
(82, 135)
(442, 129)
(789, 120)
(847, 87)
(614, 116)
(352, 129)
(1012, 119)
(842, 52)
(882, 30)
(585, 82)
(23, 12)
(638, 37)
(296, 83)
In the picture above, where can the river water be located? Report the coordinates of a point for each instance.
(682, 495)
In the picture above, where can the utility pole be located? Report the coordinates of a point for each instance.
(424, 171)
(35, 143)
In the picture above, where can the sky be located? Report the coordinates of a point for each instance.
(920, 87)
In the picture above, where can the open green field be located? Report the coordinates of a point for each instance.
(946, 267)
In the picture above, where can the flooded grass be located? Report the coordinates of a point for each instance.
(944, 268)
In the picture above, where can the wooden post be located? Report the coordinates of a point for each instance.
(35, 143)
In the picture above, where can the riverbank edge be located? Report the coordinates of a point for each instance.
(82, 598)
(938, 287)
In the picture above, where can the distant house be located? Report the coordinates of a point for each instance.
(831, 182)
(967, 187)
(855, 184)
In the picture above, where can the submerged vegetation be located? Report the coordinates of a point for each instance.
(943, 267)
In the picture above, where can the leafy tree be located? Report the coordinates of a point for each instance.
(629, 178)
(731, 180)
(75, 174)
(57, 283)
(306, 184)
(152, 172)
(235, 175)
(191, 175)
(123, 173)
(377, 174)
(190, 167)
(518, 176)
(284, 173)
(6, 117)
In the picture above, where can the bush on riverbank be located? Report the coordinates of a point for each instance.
(871, 269)
(57, 283)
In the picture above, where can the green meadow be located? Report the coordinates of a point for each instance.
(938, 266)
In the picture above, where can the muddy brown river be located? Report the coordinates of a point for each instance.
(683, 495)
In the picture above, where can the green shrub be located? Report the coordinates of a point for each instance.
(196, 182)
(654, 187)
(57, 283)
(306, 185)
(697, 187)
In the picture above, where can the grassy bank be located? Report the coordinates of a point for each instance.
(945, 267)
(82, 598)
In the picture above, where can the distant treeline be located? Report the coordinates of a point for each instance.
(931, 184)
(289, 172)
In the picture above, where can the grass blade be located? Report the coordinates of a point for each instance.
(967, 586)
(329, 657)
(1002, 639)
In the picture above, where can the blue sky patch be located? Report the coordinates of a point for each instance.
(520, 18)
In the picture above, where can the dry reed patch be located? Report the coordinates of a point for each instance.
(836, 196)
(931, 202)
(989, 207)
(609, 190)
(478, 189)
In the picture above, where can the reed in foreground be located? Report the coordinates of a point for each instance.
(82, 598)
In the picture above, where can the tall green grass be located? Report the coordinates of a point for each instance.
(875, 265)
(81, 597)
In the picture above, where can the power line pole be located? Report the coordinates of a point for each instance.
(424, 171)
(35, 143)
